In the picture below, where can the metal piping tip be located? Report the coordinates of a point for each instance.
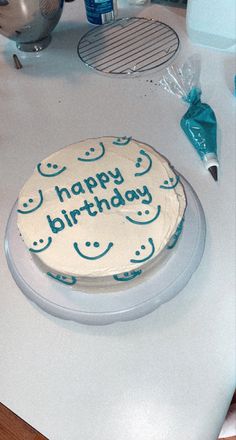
(214, 172)
(17, 62)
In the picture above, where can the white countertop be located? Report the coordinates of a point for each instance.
(170, 374)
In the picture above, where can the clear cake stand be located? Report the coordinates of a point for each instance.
(106, 308)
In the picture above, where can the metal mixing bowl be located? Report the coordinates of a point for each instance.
(29, 22)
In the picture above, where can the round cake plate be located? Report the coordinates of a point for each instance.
(105, 308)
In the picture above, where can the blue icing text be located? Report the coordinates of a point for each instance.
(101, 180)
(98, 206)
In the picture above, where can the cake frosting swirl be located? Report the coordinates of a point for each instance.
(101, 211)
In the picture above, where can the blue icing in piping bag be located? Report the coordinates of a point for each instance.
(199, 122)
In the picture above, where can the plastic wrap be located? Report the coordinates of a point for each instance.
(199, 122)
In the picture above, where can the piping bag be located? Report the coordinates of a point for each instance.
(199, 122)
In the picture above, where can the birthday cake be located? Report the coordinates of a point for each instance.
(101, 213)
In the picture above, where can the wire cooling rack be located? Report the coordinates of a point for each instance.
(128, 46)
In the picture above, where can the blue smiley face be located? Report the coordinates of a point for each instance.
(96, 244)
(50, 170)
(93, 153)
(147, 214)
(171, 183)
(36, 249)
(127, 276)
(31, 205)
(174, 239)
(68, 280)
(145, 162)
(140, 252)
(122, 141)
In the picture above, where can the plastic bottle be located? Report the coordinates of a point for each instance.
(101, 11)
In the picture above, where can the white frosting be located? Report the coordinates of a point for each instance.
(89, 239)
